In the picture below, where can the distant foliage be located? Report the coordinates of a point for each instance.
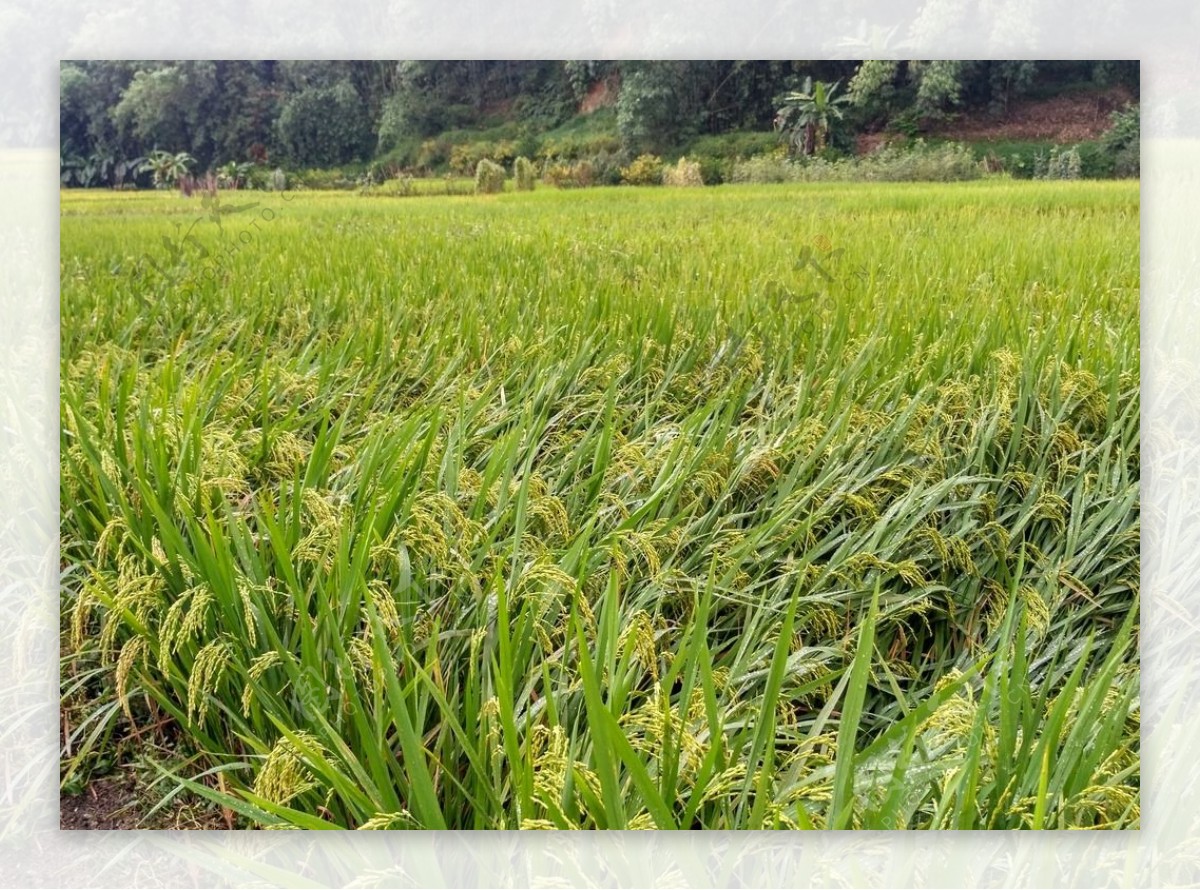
(941, 85)
(873, 81)
(904, 93)
(1123, 141)
(489, 178)
(649, 107)
(331, 179)
(465, 158)
(944, 163)
(431, 117)
(324, 127)
(645, 169)
(1064, 164)
(567, 174)
(683, 173)
(523, 174)
(763, 169)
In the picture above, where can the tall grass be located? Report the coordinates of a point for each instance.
(751, 507)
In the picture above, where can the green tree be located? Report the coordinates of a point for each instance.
(650, 110)
(87, 93)
(324, 126)
(174, 107)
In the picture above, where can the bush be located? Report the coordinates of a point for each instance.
(1123, 141)
(684, 173)
(325, 126)
(523, 174)
(765, 169)
(328, 180)
(489, 178)
(734, 146)
(646, 169)
(557, 174)
(607, 166)
(574, 148)
(433, 154)
(565, 175)
(1096, 160)
(465, 157)
(1064, 164)
(951, 162)
(584, 174)
(714, 170)
(399, 187)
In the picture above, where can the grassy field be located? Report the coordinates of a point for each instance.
(780, 506)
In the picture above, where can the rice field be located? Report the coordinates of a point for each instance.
(801, 506)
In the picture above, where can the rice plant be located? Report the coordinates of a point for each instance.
(749, 507)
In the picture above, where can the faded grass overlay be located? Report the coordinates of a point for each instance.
(635, 858)
(1165, 852)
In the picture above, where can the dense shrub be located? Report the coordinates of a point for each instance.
(944, 163)
(645, 169)
(433, 154)
(683, 173)
(607, 166)
(1095, 160)
(523, 174)
(574, 148)
(714, 170)
(565, 174)
(465, 157)
(1123, 141)
(324, 127)
(329, 180)
(557, 174)
(765, 169)
(1064, 164)
(734, 146)
(489, 178)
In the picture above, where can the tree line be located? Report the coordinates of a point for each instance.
(319, 114)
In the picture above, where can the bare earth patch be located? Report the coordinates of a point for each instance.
(1065, 119)
(105, 804)
(1071, 117)
(115, 803)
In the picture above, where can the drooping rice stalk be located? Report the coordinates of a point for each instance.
(745, 507)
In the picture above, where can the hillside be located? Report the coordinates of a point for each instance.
(240, 120)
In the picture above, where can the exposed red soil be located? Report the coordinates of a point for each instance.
(1065, 119)
(601, 94)
(1071, 117)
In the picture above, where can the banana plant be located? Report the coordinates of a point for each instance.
(166, 168)
(233, 175)
(807, 115)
